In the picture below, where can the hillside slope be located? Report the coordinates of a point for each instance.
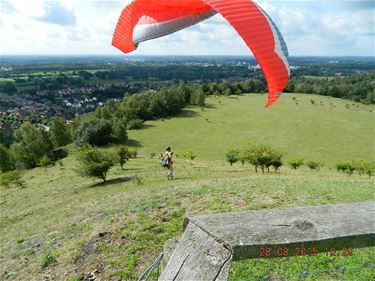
(330, 130)
(64, 227)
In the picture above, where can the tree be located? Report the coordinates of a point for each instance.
(60, 132)
(6, 161)
(94, 131)
(296, 163)
(232, 156)
(31, 145)
(5, 138)
(119, 131)
(94, 162)
(123, 156)
(264, 156)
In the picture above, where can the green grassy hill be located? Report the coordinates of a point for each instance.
(62, 227)
(330, 130)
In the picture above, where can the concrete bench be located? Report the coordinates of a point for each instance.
(211, 242)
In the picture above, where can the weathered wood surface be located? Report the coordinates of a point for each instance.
(198, 257)
(320, 227)
(211, 242)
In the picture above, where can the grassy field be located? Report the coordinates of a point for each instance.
(62, 227)
(330, 130)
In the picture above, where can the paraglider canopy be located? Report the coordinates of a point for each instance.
(144, 20)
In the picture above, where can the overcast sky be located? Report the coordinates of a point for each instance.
(315, 28)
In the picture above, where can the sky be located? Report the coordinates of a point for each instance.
(85, 27)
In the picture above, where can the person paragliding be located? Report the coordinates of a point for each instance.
(144, 20)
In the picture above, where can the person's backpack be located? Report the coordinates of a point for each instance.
(165, 160)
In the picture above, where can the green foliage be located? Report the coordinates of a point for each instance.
(135, 124)
(13, 178)
(31, 145)
(94, 162)
(314, 165)
(296, 163)
(346, 167)
(189, 155)
(47, 260)
(123, 155)
(133, 153)
(94, 131)
(45, 161)
(198, 98)
(6, 161)
(5, 138)
(232, 156)
(263, 157)
(60, 132)
(119, 130)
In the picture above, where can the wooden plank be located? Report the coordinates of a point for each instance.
(198, 257)
(319, 228)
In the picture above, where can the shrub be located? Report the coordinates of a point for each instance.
(123, 156)
(133, 153)
(12, 178)
(58, 154)
(45, 161)
(135, 124)
(345, 167)
(94, 132)
(313, 165)
(296, 163)
(119, 132)
(59, 132)
(190, 155)
(264, 156)
(94, 163)
(31, 145)
(6, 161)
(232, 156)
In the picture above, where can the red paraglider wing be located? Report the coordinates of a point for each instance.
(143, 20)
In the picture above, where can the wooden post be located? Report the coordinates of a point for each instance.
(211, 242)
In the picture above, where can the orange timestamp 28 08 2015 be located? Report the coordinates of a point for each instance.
(265, 251)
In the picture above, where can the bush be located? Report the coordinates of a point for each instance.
(232, 156)
(264, 156)
(135, 124)
(13, 178)
(133, 153)
(345, 167)
(313, 165)
(6, 161)
(45, 161)
(296, 163)
(58, 154)
(31, 145)
(94, 131)
(119, 131)
(123, 156)
(59, 132)
(190, 155)
(94, 163)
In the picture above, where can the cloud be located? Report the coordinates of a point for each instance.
(7, 7)
(56, 13)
